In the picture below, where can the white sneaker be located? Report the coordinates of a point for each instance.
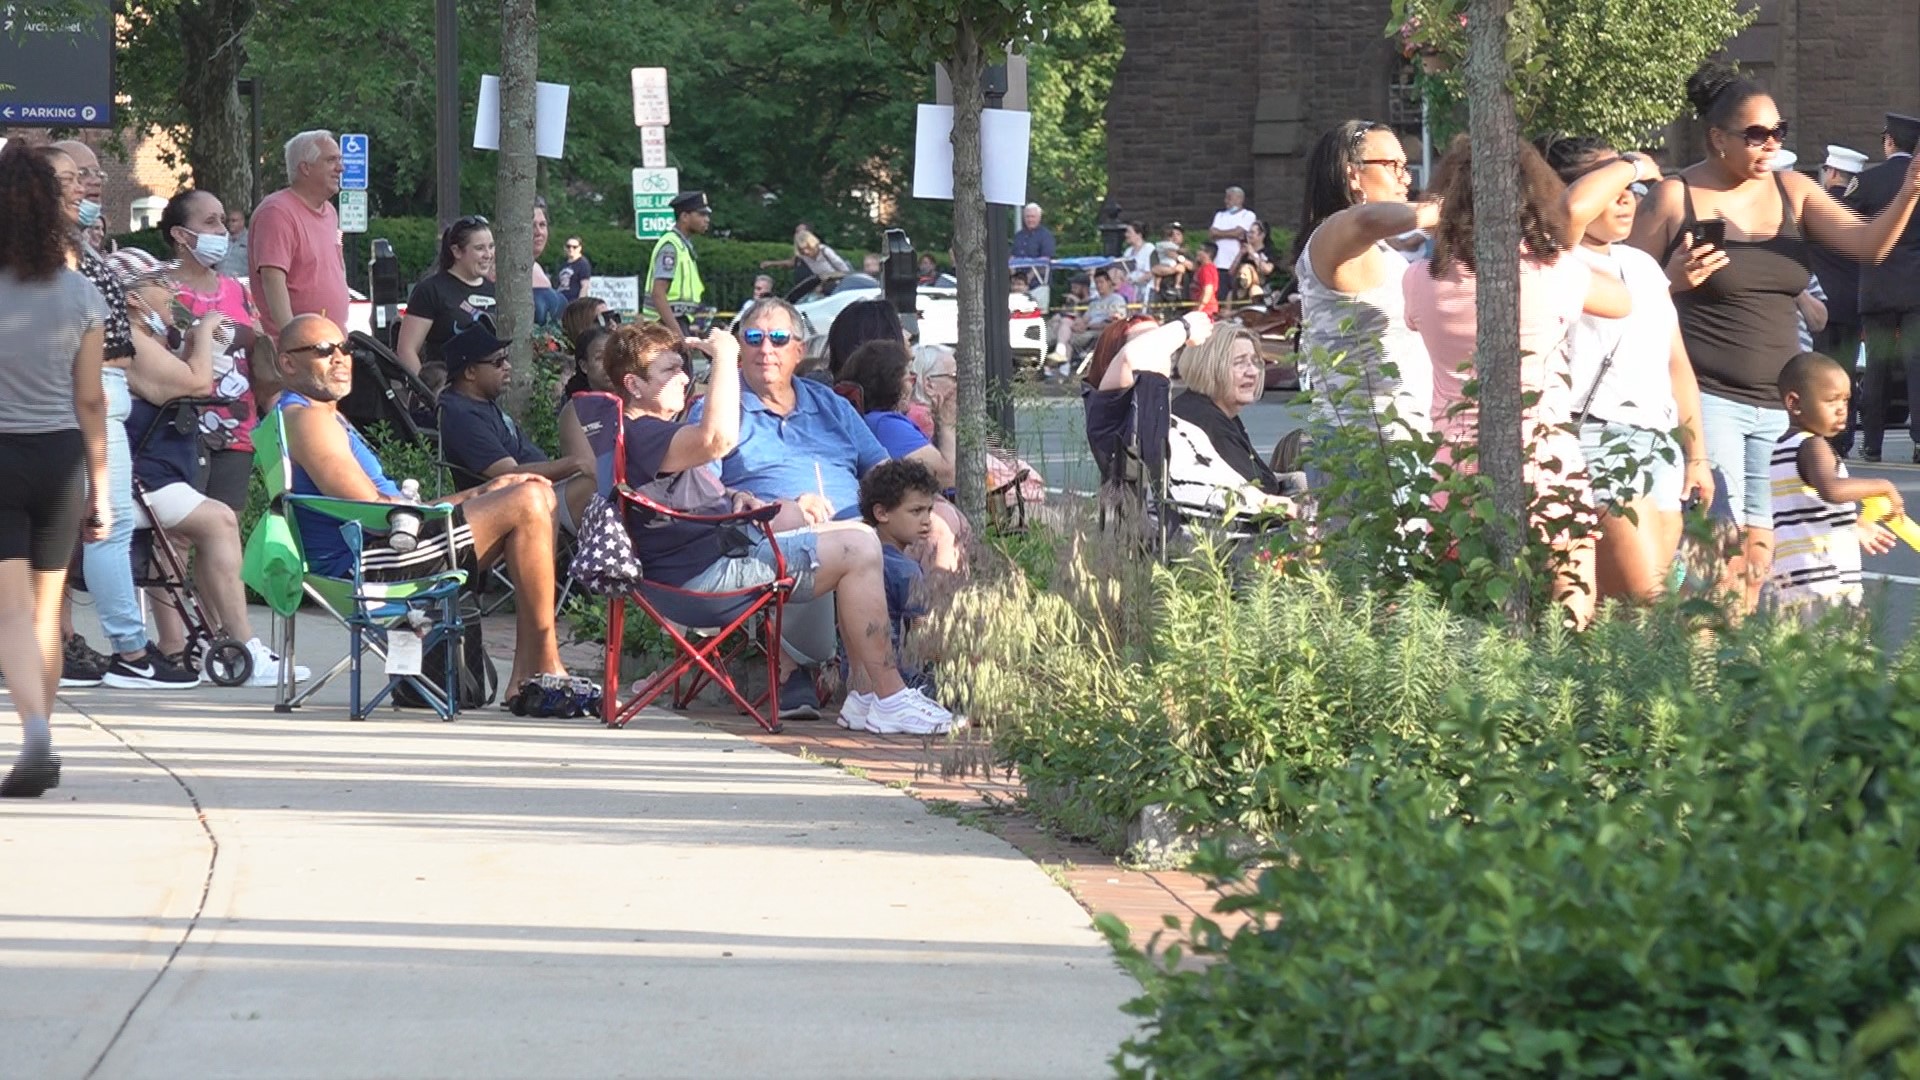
(856, 713)
(910, 712)
(266, 666)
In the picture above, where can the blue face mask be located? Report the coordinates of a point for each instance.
(89, 213)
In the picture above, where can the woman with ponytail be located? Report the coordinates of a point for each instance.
(459, 290)
(1733, 235)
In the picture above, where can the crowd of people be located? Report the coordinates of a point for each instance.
(1665, 323)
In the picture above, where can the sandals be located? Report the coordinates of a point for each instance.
(554, 696)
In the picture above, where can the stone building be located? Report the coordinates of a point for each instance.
(1218, 92)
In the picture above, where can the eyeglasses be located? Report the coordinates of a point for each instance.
(1398, 167)
(323, 350)
(94, 174)
(1757, 136)
(67, 179)
(758, 337)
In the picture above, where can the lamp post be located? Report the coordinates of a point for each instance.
(446, 127)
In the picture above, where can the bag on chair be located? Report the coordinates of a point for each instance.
(604, 563)
(478, 678)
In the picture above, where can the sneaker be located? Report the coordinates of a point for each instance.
(799, 697)
(911, 712)
(857, 712)
(32, 776)
(266, 666)
(151, 672)
(80, 665)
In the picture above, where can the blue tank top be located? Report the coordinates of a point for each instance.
(327, 551)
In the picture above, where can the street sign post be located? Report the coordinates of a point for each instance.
(353, 163)
(650, 98)
(653, 192)
(56, 67)
(653, 147)
(353, 211)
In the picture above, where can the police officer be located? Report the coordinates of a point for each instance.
(675, 287)
(1889, 292)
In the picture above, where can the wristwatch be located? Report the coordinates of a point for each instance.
(1636, 157)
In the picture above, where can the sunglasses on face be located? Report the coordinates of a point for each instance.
(322, 350)
(1757, 136)
(757, 337)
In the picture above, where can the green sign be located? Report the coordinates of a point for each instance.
(653, 194)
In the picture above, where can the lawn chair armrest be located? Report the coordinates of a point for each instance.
(759, 515)
(370, 515)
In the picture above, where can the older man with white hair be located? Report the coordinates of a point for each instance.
(296, 263)
(1034, 241)
(1231, 226)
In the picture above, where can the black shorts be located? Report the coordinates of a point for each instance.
(43, 497)
(380, 563)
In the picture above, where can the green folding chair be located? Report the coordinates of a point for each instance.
(277, 568)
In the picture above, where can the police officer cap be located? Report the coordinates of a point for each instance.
(1841, 159)
(1904, 129)
(691, 202)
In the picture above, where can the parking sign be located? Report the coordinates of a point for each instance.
(353, 211)
(353, 162)
(653, 192)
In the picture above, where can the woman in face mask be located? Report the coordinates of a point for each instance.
(194, 223)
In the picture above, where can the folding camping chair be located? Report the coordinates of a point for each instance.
(702, 657)
(369, 611)
(1133, 482)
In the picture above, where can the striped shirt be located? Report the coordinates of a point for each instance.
(1806, 332)
(1816, 554)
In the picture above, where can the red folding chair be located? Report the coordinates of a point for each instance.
(732, 622)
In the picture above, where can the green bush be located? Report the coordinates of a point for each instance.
(1742, 906)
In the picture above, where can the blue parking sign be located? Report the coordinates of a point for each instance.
(353, 162)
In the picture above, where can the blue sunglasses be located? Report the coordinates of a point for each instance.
(758, 337)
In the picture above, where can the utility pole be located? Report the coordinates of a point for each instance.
(446, 125)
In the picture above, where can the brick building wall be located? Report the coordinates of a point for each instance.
(1218, 92)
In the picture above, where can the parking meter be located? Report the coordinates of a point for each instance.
(384, 291)
(900, 278)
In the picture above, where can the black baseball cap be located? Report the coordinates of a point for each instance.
(472, 344)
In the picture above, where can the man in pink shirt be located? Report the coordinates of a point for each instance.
(296, 265)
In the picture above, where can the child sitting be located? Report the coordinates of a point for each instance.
(896, 498)
(1817, 532)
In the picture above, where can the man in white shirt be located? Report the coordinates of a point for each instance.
(1230, 227)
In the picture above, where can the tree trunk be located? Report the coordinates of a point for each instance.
(1495, 131)
(218, 136)
(513, 198)
(970, 253)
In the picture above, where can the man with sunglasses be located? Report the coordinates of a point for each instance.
(800, 445)
(508, 518)
(1890, 291)
(476, 434)
(675, 288)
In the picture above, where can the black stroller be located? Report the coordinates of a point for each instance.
(158, 564)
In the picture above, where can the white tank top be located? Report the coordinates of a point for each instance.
(1370, 327)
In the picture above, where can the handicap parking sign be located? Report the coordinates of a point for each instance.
(353, 162)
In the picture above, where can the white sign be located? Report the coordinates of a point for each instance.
(549, 117)
(1005, 136)
(353, 211)
(653, 146)
(622, 294)
(650, 98)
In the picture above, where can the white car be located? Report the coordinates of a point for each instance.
(939, 313)
(359, 310)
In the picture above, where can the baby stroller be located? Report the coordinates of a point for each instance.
(158, 564)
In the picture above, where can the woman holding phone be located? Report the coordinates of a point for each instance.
(1733, 236)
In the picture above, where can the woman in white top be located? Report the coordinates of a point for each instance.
(1633, 392)
(1139, 263)
(1350, 297)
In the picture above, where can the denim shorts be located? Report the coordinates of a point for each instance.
(1740, 440)
(801, 548)
(1625, 463)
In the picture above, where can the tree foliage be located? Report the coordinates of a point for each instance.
(1069, 79)
(1612, 68)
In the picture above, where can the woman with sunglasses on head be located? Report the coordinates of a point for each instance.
(1350, 295)
(1733, 235)
(459, 290)
(52, 443)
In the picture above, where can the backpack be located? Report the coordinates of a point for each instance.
(479, 680)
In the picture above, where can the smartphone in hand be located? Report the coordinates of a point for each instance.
(1713, 232)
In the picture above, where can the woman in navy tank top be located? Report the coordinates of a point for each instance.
(1733, 235)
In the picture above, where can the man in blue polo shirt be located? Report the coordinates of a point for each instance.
(480, 439)
(802, 445)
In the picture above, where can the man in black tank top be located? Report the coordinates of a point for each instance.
(1889, 293)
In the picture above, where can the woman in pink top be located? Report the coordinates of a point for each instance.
(1554, 292)
(195, 224)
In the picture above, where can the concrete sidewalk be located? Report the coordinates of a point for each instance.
(514, 898)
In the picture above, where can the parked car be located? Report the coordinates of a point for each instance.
(939, 314)
(359, 311)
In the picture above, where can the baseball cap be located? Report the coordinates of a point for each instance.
(472, 344)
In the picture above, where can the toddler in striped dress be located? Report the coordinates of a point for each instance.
(1817, 532)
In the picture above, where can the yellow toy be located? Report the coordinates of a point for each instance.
(1880, 508)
